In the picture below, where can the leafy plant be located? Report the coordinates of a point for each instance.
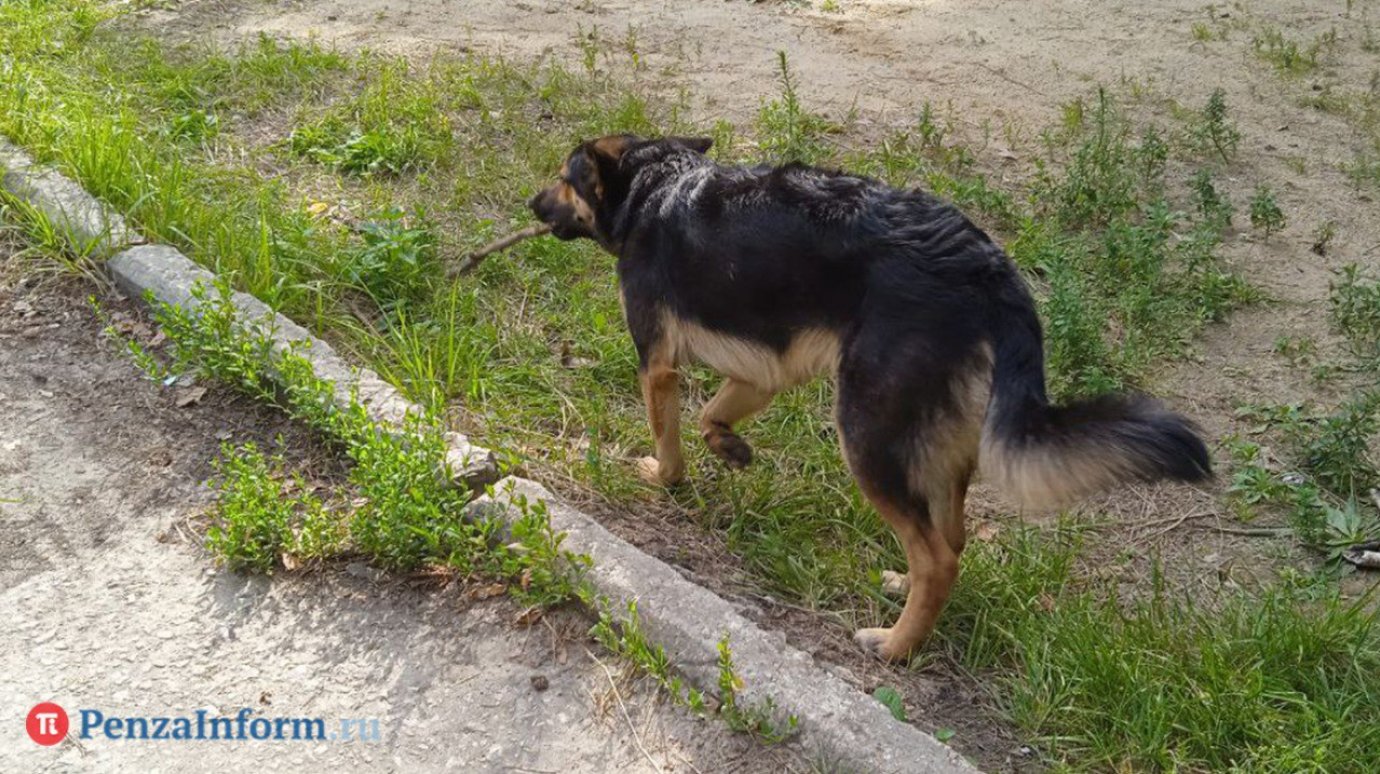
(1214, 129)
(1265, 212)
(395, 259)
(891, 699)
(253, 517)
(756, 719)
(788, 132)
(1355, 311)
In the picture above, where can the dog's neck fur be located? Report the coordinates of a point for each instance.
(658, 183)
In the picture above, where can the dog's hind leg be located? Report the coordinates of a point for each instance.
(735, 401)
(932, 568)
(910, 417)
(661, 392)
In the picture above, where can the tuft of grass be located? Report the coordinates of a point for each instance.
(1355, 312)
(1265, 212)
(396, 125)
(788, 132)
(1287, 56)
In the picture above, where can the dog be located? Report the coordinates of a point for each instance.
(774, 275)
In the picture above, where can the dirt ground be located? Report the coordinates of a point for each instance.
(1002, 69)
(108, 602)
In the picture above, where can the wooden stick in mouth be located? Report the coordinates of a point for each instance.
(467, 264)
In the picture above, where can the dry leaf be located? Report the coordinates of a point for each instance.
(987, 531)
(491, 590)
(191, 396)
(529, 616)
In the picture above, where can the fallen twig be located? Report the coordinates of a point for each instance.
(1174, 523)
(467, 264)
(1366, 555)
(1251, 532)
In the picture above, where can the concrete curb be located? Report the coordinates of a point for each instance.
(171, 276)
(843, 725)
(91, 227)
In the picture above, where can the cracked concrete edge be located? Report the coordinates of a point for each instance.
(841, 724)
(170, 277)
(92, 228)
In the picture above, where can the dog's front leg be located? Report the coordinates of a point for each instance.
(735, 401)
(661, 392)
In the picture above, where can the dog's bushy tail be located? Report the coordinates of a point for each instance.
(1045, 456)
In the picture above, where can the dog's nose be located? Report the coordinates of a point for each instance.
(534, 202)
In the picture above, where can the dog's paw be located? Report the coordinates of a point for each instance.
(731, 448)
(895, 583)
(877, 641)
(653, 472)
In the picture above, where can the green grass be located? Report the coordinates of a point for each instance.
(1281, 681)
(335, 187)
(1287, 56)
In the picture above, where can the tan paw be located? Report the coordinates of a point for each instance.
(653, 472)
(877, 641)
(895, 583)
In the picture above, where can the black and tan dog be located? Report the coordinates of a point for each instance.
(774, 275)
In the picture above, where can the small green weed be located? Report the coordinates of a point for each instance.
(626, 638)
(756, 719)
(1265, 212)
(786, 130)
(1355, 312)
(1214, 130)
(891, 699)
(1286, 55)
(261, 513)
(395, 260)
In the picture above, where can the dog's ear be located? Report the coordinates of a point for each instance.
(606, 152)
(696, 144)
(611, 147)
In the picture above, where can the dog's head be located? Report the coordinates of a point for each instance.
(594, 180)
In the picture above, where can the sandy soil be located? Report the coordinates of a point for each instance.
(108, 602)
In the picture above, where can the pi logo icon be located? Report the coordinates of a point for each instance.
(46, 724)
